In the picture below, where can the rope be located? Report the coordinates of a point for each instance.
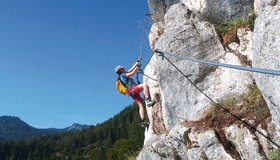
(225, 109)
(148, 76)
(145, 67)
(250, 69)
(142, 39)
(141, 72)
(140, 53)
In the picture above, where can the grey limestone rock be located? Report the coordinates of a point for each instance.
(220, 10)
(245, 142)
(267, 55)
(212, 10)
(158, 8)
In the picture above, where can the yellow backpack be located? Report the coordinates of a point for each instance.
(121, 87)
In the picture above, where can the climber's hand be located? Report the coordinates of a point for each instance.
(140, 70)
(138, 63)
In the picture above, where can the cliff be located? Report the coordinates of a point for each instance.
(210, 112)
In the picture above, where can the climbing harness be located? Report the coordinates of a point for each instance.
(250, 69)
(162, 54)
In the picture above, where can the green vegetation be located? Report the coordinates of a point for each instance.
(275, 155)
(224, 28)
(118, 138)
(13, 128)
(250, 105)
(255, 101)
(228, 102)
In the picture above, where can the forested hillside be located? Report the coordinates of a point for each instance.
(120, 137)
(13, 128)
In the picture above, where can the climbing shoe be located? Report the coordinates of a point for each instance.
(150, 103)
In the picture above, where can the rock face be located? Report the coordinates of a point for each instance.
(179, 29)
(267, 54)
(220, 10)
(180, 36)
(165, 146)
(245, 142)
(210, 144)
(213, 10)
(261, 5)
(159, 7)
(189, 36)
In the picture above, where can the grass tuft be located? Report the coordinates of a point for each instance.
(275, 155)
(254, 100)
(224, 28)
(250, 105)
(228, 31)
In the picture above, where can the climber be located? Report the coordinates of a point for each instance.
(134, 89)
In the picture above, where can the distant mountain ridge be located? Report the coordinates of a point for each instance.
(76, 127)
(13, 128)
(118, 138)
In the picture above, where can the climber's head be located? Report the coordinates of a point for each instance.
(119, 69)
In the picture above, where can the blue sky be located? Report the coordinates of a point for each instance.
(57, 58)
